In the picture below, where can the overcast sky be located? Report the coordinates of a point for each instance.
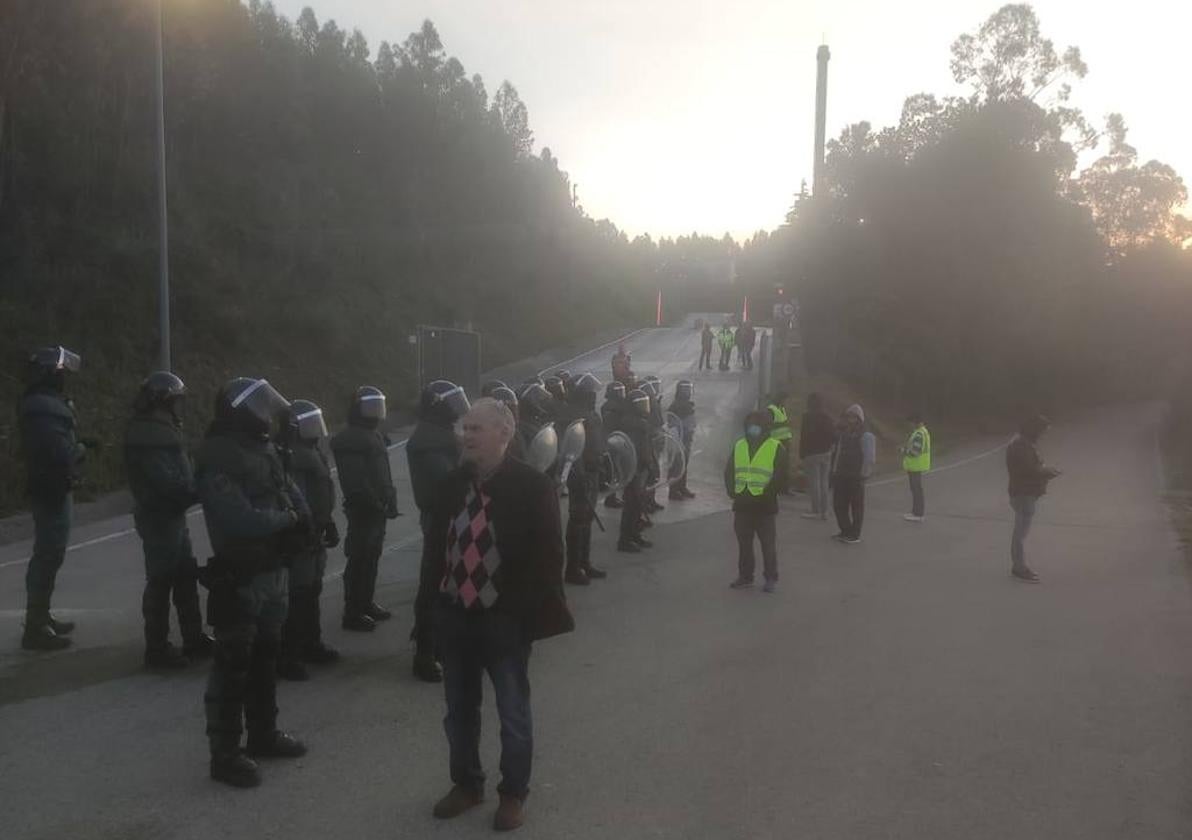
(681, 115)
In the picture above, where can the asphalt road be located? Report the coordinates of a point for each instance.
(905, 687)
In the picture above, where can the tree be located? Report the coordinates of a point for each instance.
(514, 119)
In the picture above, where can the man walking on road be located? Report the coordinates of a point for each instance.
(496, 540)
(1029, 477)
(754, 476)
(916, 460)
(706, 339)
(817, 434)
(853, 457)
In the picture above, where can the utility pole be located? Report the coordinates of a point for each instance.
(163, 292)
(821, 117)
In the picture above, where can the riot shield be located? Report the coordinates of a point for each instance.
(571, 448)
(542, 450)
(673, 424)
(672, 462)
(621, 459)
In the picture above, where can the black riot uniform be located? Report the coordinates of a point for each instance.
(362, 457)
(161, 479)
(657, 425)
(306, 464)
(53, 464)
(536, 408)
(583, 482)
(258, 523)
(433, 453)
(683, 407)
(635, 425)
(611, 413)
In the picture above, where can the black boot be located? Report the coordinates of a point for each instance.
(62, 628)
(165, 658)
(39, 635)
(316, 652)
(358, 622)
(576, 576)
(377, 613)
(232, 767)
(292, 669)
(200, 647)
(274, 744)
(426, 668)
(612, 501)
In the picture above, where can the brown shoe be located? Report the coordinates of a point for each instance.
(509, 814)
(457, 800)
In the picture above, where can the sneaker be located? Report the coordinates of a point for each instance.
(771, 586)
(838, 537)
(577, 577)
(629, 547)
(810, 515)
(850, 540)
(62, 628)
(910, 517)
(275, 744)
(1024, 575)
(595, 573)
(358, 623)
(43, 638)
(458, 800)
(740, 583)
(613, 502)
(377, 613)
(643, 542)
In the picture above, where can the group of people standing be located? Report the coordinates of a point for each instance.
(726, 338)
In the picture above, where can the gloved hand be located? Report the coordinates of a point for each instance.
(330, 534)
(391, 511)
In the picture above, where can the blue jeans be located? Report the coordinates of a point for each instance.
(1024, 514)
(51, 533)
(471, 643)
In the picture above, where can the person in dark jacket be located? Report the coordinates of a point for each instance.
(635, 424)
(853, 457)
(53, 464)
(610, 416)
(754, 476)
(1029, 478)
(432, 453)
(162, 482)
(683, 407)
(583, 483)
(258, 522)
(301, 439)
(817, 434)
(362, 457)
(494, 555)
(706, 339)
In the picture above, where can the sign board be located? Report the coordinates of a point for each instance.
(788, 309)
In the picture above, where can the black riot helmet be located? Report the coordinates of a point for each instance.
(534, 380)
(584, 390)
(249, 405)
(161, 389)
(49, 366)
(367, 407)
(685, 390)
(506, 396)
(554, 387)
(535, 404)
(615, 391)
(640, 401)
(650, 388)
(442, 403)
(566, 378)
(304, 422)
(486, 390)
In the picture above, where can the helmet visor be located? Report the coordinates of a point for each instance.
(372, 406)
(262, 401)
(310, 424)
(456, 401)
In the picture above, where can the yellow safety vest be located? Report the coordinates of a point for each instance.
(920, 463)
(753, 475)
(781, 428)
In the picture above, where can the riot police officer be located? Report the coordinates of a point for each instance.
(610, 414)
(433, 453)
(162, 482)
(535, 436)
(257, 521)
(487, 389)
(635, 425)
(558, 390)
(302, 637)
(583, 482)
(517, 448)
(362, 456)
(651, 386)
(53, 463)
(683, 407)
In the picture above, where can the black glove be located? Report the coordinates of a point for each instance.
(330, 534)
(391, 511)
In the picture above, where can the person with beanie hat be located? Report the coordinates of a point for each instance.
(853, 457)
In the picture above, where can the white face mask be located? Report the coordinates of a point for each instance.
(753, 431)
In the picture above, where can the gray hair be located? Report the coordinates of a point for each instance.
(498, 412)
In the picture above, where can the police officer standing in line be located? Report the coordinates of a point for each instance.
(162, 482)
(635, 425)
(536, 408)
(53, 462)
(362, 457)
(583, 483)
(683, 407)
(506, 397)
(433, 453)
(302, 637)
(258, 522)
(611, 414)
(652, 388)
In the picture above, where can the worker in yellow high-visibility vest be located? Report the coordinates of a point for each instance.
(754, 476)
(916, 460)
(780, 427)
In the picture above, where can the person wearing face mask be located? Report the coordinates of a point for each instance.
(162, 482)
(853, 457)
(754, 475)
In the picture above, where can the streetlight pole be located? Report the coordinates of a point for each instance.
(163, 293)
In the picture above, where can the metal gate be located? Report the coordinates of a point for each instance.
(448, 353)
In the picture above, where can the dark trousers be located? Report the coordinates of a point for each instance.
(747, 357)
(749, 524)
(705, 358)
(634, 508)
(171, 572)
(362, 546)
(242, 686)
(918, 504)
(848, 500)
(304, 621)
(581, 491)
(51, 533)
(472, 643)
(429, 578)
(726, 355)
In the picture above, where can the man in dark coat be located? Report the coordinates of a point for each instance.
(1029, 478)
(494, 555)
